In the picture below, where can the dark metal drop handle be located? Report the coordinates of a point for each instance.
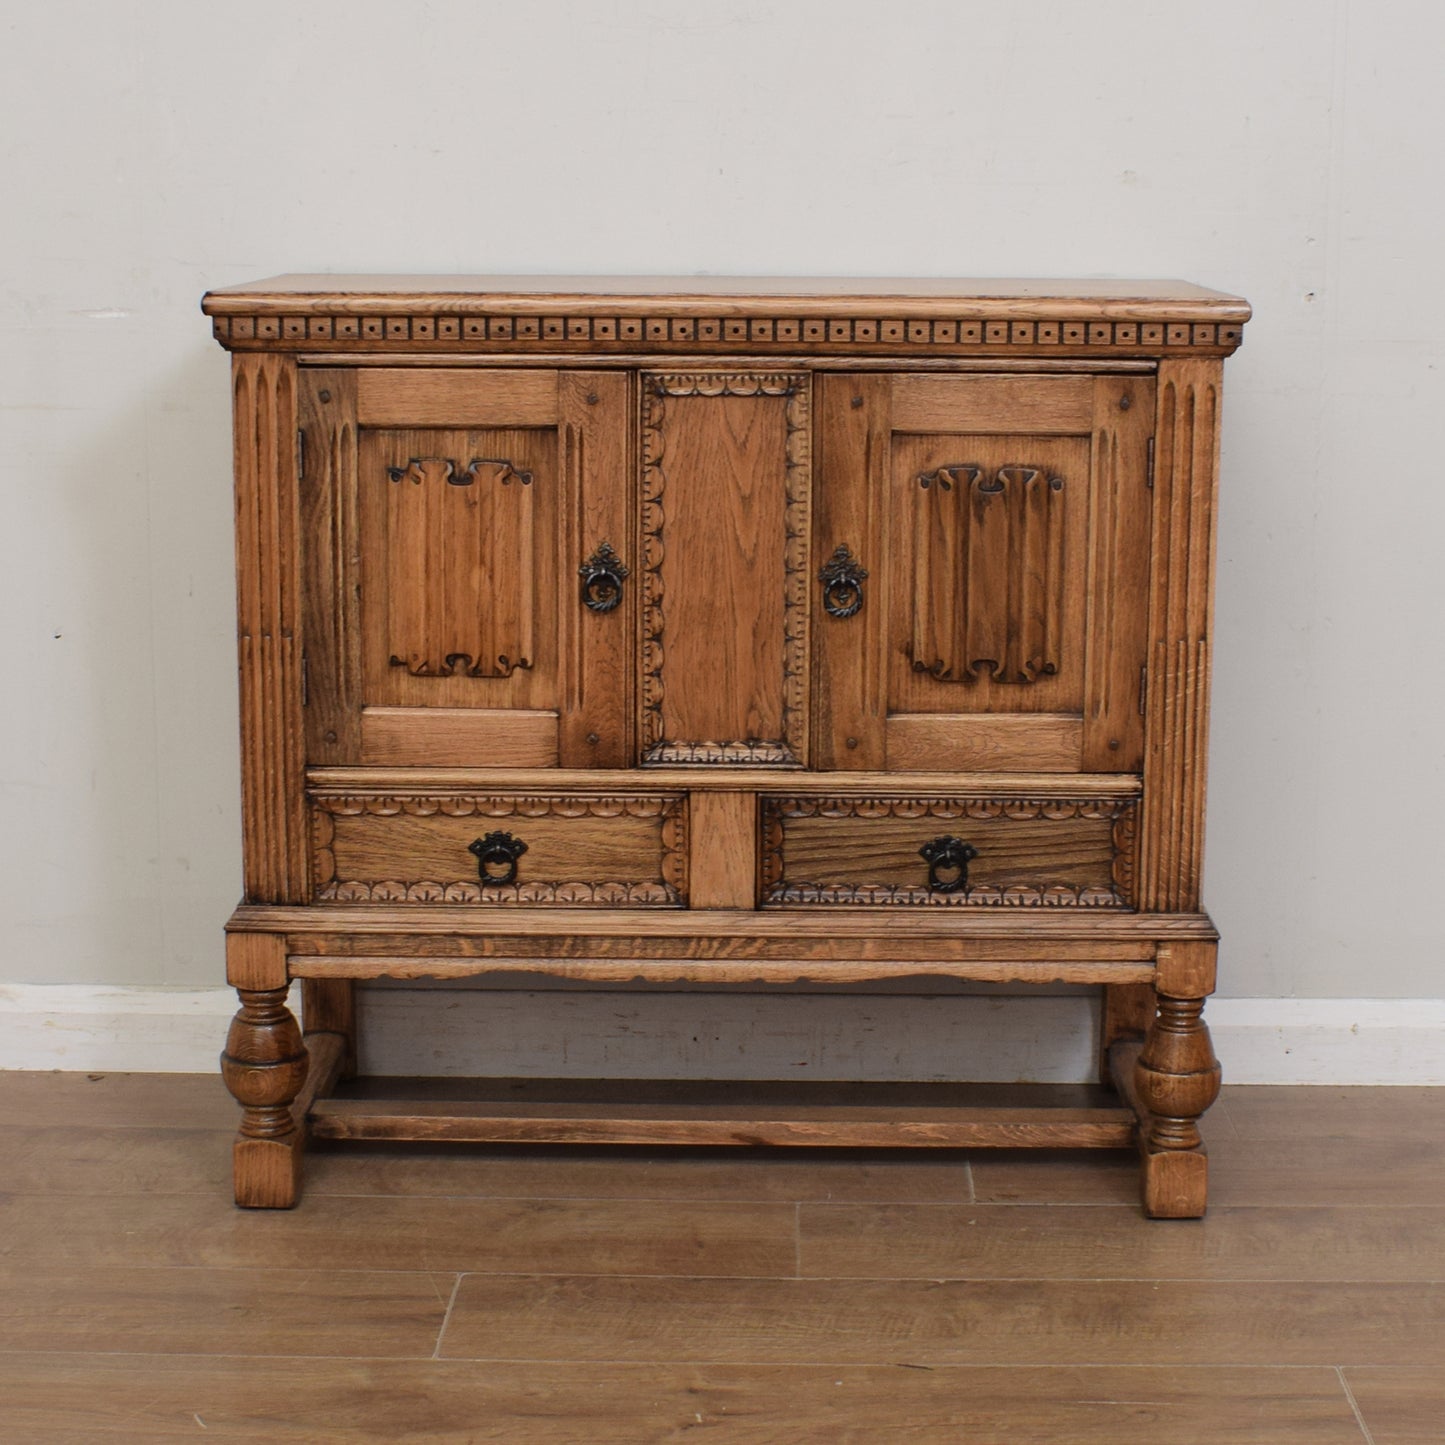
(948, 859)
(602, 575)
(842, 578)
(497, 856)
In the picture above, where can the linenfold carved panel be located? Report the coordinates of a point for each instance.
(458, 539)
(989, 553)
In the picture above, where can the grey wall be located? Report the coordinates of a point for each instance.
(1288, 152)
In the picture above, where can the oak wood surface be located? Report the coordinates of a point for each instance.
(726, 585)
(456, 398)
(723, 836)
(726, 926)
(456, 737)
(1010, 784)
(1080, 299)
(1011, 743)
(756, 1124)
(960, 533)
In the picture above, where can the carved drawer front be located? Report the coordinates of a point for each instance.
(949, 852)
(500, 848)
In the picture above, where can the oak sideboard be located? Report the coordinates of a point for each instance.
(689, 632)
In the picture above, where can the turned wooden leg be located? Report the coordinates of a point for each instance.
(264, 1067)
(1177, 1079)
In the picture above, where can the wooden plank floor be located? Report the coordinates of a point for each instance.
(460, 1293)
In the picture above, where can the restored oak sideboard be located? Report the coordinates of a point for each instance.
(749, 632)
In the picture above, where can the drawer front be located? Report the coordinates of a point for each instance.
(949, 852)
(494, 848)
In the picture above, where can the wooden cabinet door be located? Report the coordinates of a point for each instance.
(447, 517)
(1003, 522)
(725, 580)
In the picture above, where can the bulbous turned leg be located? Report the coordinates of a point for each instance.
(1177, 1079)
(264, 1067)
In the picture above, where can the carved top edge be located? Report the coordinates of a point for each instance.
(711, 315)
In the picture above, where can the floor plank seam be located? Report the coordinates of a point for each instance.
(1354, 1405)
(446, 1317)
(208, 1355)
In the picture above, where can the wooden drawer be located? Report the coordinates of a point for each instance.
(949, 851)
(530, 849)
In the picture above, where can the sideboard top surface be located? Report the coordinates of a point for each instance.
(1001, 298)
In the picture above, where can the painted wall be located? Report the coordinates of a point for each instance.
(152, 149)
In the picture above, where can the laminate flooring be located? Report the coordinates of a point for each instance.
(461, 1293)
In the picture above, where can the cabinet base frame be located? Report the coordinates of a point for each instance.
(1155, 969)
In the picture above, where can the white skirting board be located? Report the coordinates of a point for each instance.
(462, 1031)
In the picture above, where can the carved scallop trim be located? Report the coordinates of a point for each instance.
(1057, 895)
(1123, 812)
(672, 811)
(635, 333)
(786, 751)
(597, 895)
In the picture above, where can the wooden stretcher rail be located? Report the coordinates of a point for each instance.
(833, 1126)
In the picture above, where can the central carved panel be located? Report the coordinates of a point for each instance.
(989, 550)
(725, 579)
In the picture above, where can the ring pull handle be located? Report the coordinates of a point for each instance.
(497, 856)
(602, 575)
(948, 859)
(842, 578)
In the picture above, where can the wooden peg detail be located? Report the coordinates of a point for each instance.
(264, 1067)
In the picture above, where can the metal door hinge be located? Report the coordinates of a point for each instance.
(1149, 465)
(300, 454)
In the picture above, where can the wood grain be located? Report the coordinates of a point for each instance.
(1399, 1406)
(598, 725)
(455, 737)
(441, 397)
(418, 507)
(992, 404)
(1012, 743)
(727, 583)
(840, 847)
(683, 1236)
(1041, 1241)
(221, 1311)
(1118, 561)
(1003, 784)
(386, 1400)
(330, 547)
(581, 851)
(723, 834)
(1181, 609)
(933, 1323)
(856, 1126)
(850, 458)
(269, 619)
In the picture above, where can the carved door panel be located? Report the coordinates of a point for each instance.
(449, 518)
(725, 571)
(1003, 522)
